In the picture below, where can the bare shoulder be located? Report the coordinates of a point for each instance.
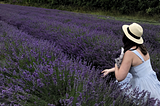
(129, 54)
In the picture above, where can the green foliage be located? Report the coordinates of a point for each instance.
(149, 7)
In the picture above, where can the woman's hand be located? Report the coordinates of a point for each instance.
(105, 72)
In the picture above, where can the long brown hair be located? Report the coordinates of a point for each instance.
(128, 44)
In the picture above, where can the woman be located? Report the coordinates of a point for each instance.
(136, 68)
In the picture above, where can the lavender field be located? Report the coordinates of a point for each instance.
(54, 58)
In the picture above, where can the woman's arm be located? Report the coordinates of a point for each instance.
(121, 73)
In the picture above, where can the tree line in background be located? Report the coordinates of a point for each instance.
(150, 7)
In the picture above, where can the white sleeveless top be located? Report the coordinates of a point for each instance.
(142, 77)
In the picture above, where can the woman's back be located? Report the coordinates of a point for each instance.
(143, 76)
(136, 60)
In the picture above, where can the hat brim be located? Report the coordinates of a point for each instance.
(138, 41)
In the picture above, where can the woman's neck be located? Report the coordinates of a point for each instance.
(134, 47)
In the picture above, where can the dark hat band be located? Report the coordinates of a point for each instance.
(136, 37)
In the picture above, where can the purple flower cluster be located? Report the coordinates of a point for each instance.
(52, 57)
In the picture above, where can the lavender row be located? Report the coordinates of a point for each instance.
(84, 20)
(54, 15)
(51, 15)
(36, 72)
(62, 34)
(94, 40)
(37, 69)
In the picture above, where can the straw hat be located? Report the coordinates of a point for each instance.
(133, 32)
